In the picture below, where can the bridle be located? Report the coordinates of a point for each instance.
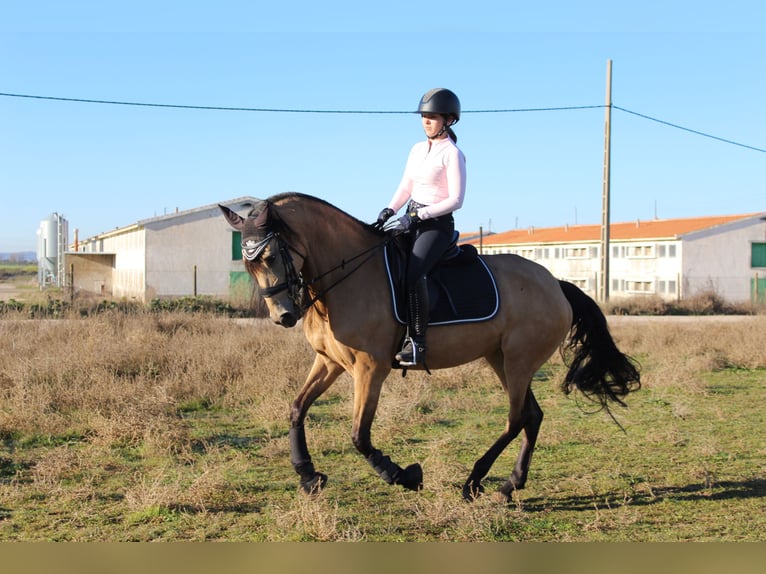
(294, 283)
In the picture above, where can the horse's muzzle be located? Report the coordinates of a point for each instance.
(287, 320)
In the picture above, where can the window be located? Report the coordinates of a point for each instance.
(666, 250)
(581, 283)
(758, 255)
(668, 286)
(236, 246)
(638, 286)
(577, 252)
(640, 251)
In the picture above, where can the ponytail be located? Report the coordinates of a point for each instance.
(452, 135)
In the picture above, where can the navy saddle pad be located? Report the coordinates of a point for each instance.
(461, 289)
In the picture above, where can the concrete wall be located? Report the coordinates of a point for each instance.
(91, 272)
(126, 248)
(177, 245)
(130, 250)
(719, 259)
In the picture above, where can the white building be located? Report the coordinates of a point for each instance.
(671, 258)
(192, 252)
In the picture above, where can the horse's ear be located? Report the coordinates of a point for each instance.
(234, 219)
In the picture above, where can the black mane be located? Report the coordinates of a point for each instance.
(286, 196)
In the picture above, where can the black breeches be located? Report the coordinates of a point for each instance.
(431, 240)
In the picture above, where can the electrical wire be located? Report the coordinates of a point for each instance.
(319, 111)
(278, 110)
(699, 133)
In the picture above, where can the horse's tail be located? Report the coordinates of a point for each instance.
(597, 368)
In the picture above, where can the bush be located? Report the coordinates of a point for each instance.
(53, 308)
(703, 303)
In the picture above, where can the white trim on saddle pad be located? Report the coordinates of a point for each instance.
(403, 321)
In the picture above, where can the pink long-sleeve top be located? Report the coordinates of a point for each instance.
(434, 176)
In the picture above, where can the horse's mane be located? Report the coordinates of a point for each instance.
(282, 198)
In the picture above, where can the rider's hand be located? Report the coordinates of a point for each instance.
(408, 220)
(384, 216)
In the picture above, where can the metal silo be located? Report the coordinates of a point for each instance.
(52, 238)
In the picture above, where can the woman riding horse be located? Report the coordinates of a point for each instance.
(313, 261)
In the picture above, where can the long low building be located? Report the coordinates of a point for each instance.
(193, 252)
(671, 258)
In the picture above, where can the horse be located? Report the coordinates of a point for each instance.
(313, 261)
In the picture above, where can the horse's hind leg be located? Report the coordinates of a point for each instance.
(533, 420)
(472, 488)
(525, 415)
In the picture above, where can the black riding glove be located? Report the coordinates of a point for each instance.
(408, 220)
(384, 216)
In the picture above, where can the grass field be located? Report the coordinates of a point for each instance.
(172, 426)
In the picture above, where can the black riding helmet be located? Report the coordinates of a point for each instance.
(440, 101)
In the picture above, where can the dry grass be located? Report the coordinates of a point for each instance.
(174, 427)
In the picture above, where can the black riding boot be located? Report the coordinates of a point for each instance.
(414, 349)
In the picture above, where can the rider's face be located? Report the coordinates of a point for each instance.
(432, 124)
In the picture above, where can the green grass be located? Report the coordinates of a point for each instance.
(669, 477)
(199, 451)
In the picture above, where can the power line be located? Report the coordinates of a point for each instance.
(193, 107)
(517, 110)
(699, 133)
(370, 112)
(278, 110)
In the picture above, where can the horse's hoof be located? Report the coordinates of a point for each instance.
(501, 497)
(472, 491)
(510, 487)
(314, 485)
(411, 477)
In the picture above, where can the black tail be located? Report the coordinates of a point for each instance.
(597, 368)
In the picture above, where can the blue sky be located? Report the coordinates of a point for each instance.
(699, 66)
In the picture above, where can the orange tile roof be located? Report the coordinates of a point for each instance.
(639, 229)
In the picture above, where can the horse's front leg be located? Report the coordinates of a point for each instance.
(368, 380)
(323, 373)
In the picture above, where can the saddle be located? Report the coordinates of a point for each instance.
(461, 287)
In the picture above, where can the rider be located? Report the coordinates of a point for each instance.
(434, 185)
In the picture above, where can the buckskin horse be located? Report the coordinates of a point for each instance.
(313, 261)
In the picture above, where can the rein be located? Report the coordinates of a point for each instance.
(294, 282)
(342, 265)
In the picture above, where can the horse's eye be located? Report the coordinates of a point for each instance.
(269, 259)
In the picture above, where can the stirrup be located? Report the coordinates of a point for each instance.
(412, 353)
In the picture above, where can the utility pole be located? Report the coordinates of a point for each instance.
(603, 294)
